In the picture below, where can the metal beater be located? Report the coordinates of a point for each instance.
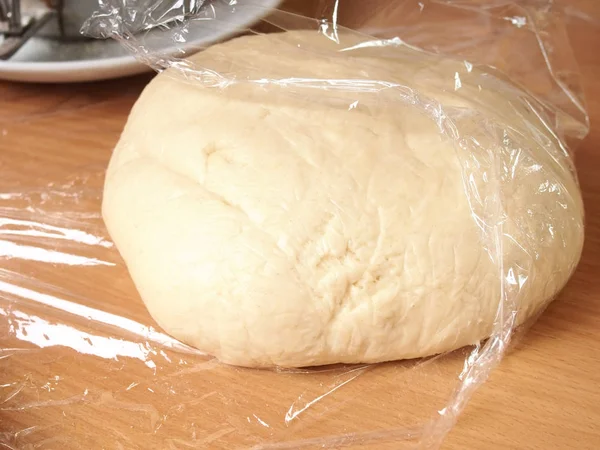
(17, 28)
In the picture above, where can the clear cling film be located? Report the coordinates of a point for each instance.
(486, 92)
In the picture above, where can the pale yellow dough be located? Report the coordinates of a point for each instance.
(275, 224)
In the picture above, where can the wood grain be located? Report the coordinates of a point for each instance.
(54, 144)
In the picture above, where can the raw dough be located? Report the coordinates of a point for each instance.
(280, 224)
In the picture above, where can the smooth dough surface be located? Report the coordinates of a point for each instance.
(282, 224)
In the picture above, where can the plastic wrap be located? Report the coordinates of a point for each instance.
(83, 365)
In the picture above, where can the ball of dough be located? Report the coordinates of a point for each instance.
(284, 219)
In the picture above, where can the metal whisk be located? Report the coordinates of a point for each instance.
(10, 16)
(17, 29)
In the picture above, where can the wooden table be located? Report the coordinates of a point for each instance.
(98, 377)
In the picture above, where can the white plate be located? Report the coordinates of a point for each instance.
(43, 60)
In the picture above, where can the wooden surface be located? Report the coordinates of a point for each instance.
(87, 379)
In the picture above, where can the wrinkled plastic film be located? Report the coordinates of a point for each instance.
(75, 349)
